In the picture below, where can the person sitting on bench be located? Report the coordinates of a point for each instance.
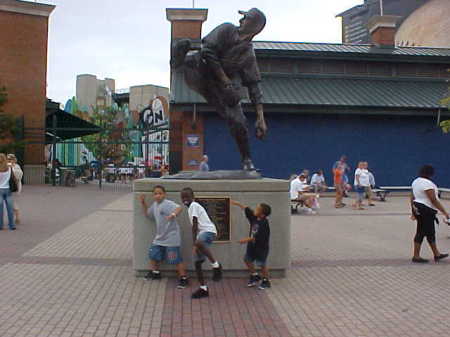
(299, 192)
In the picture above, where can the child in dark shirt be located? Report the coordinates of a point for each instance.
(257, 243)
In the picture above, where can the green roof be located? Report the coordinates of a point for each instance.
(316, 90)
(298, 49)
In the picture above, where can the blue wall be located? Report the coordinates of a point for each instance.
(395, 147)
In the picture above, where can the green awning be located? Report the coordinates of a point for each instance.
(336, 91)
(68, 126)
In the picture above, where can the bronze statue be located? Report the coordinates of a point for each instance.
(224, 63)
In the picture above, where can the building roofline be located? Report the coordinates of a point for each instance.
(357, 8)
(26, 7)
(348, 44)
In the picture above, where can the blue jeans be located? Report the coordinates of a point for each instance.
(6, 196)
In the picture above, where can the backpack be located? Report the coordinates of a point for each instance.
(13, 182)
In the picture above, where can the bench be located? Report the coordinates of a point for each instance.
(380, 193)
(443, 190)
(295, 205)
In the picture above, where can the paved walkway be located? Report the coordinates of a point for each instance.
(67, 272)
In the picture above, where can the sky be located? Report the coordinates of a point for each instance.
(129, 40)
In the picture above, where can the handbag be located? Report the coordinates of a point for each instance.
(13, 182)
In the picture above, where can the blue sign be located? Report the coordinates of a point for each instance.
(193, 140)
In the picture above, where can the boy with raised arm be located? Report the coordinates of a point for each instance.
(167, 241)
(204, 232)
(257, 243)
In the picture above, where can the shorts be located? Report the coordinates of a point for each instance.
(252, 257)
(172, 255)
(207, 238)
(360, 190)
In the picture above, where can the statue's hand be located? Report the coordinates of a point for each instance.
(261, 129)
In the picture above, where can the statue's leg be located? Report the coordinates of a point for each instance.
(239, 130)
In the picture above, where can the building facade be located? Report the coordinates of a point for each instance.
(376, 102)
(23, 71)
(355, 20)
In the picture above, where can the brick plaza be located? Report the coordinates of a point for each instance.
(67, 272)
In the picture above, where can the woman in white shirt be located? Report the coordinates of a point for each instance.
(425, 205)
(18, 174)
(5, 192)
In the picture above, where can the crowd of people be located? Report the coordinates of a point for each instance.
(10, 189)
(305, 190)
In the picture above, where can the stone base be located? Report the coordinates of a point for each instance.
(216, 175)
(229, 253)
(34, 174)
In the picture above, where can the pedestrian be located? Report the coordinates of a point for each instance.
(167, 241)
(339, 185)
(18, 174)
(342, 162)
(204, 167)
(257, 243)
(425, 205)
(204, 232)
(371, 185)
(318, 182)
(362, 182)
(6, 175)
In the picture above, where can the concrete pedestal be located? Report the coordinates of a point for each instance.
(230, 254)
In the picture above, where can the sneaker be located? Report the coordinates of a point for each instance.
(152, 276)
(254, 279)
(419, 260)
(182, 283)
(264, 284)
(200, 293)
(217, 273)
(440, 257)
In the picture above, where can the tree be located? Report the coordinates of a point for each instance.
(112, 143)
(10, 130)
(445, 125)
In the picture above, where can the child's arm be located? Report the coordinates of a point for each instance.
(238, 204)
(175, 213)
(246, 240)
(194, 228)
(144, 204)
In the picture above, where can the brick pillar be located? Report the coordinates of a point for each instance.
(382, 30)
(23, 71)
(185, 23)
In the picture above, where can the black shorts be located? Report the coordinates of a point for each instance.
(426, 219)
(252, 255)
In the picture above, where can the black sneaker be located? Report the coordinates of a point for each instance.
(419, 260)
(217, 273)
(440, 257)
(254, 279)
(182, 283)
(264, 284)
(152, 276)
(200, 293)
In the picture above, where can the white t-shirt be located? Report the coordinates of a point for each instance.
(4, 179)
(297, 186)
(317, 179)
(364, 178)
(204, 222)
(419, 186)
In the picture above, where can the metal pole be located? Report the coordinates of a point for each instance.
(54, 125)
(381, 8)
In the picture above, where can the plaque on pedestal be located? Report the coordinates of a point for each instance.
(218, 209)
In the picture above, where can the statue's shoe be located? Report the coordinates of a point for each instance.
(247, 165)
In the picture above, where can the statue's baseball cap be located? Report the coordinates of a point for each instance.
(257, 17)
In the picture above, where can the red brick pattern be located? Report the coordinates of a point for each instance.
(232, 310)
